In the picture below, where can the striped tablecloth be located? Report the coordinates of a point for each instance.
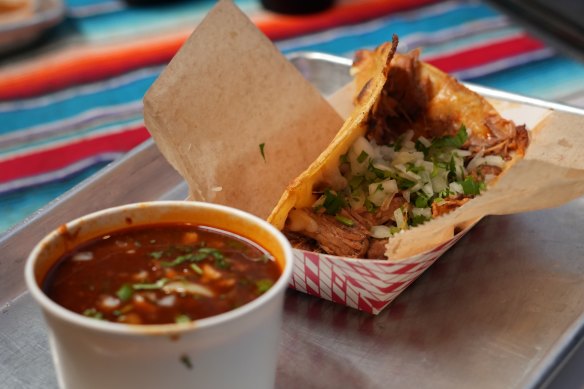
(72, 105)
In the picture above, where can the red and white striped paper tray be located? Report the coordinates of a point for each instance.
(368, 285)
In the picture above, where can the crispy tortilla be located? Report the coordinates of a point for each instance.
(299, 192)
(396, 93)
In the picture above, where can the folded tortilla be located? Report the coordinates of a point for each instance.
(398, 99)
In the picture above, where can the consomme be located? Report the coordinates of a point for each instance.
(168, 273)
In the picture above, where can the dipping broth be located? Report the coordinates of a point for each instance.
(159, 274)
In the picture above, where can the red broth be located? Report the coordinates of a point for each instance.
(161, 274)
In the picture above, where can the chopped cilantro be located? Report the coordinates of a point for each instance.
(402, 183)
(201, 254)
(355, 182)
(156, 254)
(470, 186)
(456, 141)
(156, 285)
(211, 251)
(262, 145)
(177, 261)
(369, 206)
(418, 219)
(125, 292)
(398, 142)
(420, 147)
(379, 173)
(345, 220)
(343, 159)
(394, 230)
(362, 157)
(263, 285)
(333, 202)
(196, 268)
(421, 202)
(93, 313)
(185, 360)
(182, 319)
(222, 263)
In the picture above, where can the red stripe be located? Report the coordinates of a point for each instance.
(65, 155)
(281, 27)
(478, 56)
(89, 65)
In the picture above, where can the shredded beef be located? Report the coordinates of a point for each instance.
(482, 171)
(404, 98)
(376, 249)
(447, 205)
(335, 238)
(301, 242)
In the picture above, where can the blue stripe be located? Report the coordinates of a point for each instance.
(28, 117)
(16, 205)
(144, 20)
(350, 39)
(77, 134)
(469, 41)
(549, 79)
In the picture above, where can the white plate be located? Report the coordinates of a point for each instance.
(23, 31)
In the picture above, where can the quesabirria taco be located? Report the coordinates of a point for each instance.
(417, 145)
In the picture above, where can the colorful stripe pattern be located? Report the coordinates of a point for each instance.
(71, 107)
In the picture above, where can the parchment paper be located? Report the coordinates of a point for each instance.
(226, 92)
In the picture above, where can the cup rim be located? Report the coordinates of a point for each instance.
(163, 329)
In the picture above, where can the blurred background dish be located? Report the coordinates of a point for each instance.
(23, 22)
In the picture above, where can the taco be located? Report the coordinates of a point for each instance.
(417, 145)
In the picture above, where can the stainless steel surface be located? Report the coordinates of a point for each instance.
(503, 308)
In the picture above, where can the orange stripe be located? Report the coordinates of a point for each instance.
(280, 27)
(87, 64)
(79, 65)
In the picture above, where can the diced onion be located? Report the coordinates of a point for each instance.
(424, 141)
(425, 212)
(357, 200)
(476, 161)
(456, 188)
(83, 256)
(379, 191)
(462, 153)
(361, 145)
(428, 190)
(495, 160)
(489, 178)
(440, 181)
(399, 218)
(167, 301)
(108, 302)
(380, 232)
(188, 287)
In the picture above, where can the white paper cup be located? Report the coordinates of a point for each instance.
(236, 349)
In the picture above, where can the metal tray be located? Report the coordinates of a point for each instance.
(456, 326)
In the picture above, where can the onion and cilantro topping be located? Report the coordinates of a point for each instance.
(423, 172)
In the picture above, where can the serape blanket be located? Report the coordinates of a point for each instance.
(73, 103)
